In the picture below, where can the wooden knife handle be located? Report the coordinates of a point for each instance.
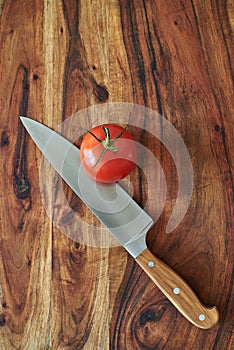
(177, 291)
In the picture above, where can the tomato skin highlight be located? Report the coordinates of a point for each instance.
(114, 165)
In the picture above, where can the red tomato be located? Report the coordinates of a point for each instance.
(108, 153)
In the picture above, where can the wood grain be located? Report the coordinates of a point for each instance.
(58, 57)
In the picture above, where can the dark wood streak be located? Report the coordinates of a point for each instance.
(4, 141)
(131, 40)
(225, 31)
(21, 182)
(153, 60)
(121, 307)
(77, 65)
(75, 58)
(218, 139)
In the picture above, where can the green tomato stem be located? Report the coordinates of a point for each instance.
(108, 144)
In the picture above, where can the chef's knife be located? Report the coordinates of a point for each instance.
(127, 222)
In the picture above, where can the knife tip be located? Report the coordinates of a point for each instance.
(22, 118)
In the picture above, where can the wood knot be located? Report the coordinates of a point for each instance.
(151, 316)
(217, 128)
(67, 218)
(19, 308)
(77, 254)
(21, 187)
(2, 320)
(77, 245)
(20, 226)
(4, 139)
(101, 93)
(149, 326)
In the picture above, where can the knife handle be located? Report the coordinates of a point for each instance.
(177, 291)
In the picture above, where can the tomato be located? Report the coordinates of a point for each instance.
(108, 153)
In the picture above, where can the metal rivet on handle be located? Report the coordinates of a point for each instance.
(151, 264)
(176, 290)
(201, 317)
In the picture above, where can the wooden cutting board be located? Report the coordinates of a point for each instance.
(60, 57)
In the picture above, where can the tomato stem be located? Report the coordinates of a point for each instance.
(108, 144)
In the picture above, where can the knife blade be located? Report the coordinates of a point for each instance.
(123, 217)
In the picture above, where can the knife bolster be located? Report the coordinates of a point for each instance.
(135, 248)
